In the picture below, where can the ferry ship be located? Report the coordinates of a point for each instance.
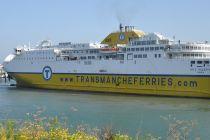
(127, 61)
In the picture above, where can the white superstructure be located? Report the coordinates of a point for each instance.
(151, 54)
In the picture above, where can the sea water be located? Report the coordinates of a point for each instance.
(125, 113)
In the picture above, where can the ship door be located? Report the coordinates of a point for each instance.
(130, 56)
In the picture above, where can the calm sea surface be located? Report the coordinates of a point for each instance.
(128, 114)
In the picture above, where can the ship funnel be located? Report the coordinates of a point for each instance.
(123, 36)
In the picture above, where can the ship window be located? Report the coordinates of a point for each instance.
(191, 47)
(107, 57)
(153, 42)
(163, 41)
(89, 57)
(120, 56)
(130, 56)
(139, 56)
(156, 48)
(144, 42)
(141, 43)
(123, 49)
(137, 49)
(159, 55)
(206, 62)
(91, 51)
(128, 49)
(147, 49)
(151, 48)
(161, 48)
(141, 49)
(99, 57)
(144, 55)
(83, 57)
(135, 56)
(199, 62)
(132, 49)
(192, 62)
(204, 55)
(155, 55)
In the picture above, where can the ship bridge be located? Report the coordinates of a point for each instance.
(150, 39)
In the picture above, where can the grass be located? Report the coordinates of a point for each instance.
(36, 127)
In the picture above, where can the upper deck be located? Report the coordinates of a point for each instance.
(127, 43)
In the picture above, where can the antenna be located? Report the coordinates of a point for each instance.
(121, 27)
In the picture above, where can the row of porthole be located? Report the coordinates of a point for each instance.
(81, 51)
(144, 49)
(37, 52)
(195, 48)
(140, 56)
(38, 58)
(200, 62)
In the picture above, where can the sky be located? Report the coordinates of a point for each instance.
(24, 21)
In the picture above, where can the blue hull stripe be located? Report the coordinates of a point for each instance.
(172, 75)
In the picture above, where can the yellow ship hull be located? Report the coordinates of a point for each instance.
(160, 85)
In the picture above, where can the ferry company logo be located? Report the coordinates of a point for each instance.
(122, 36)
(47, 73)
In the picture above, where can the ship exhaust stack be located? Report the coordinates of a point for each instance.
(122, 36)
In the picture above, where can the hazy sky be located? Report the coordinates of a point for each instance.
(24, 21)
